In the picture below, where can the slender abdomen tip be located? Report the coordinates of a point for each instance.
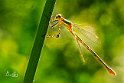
(112, 72)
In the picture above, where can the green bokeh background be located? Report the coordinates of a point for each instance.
(60, 61)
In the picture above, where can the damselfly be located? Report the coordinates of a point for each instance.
(58, 20)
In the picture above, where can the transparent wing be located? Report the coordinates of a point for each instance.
(86, 33)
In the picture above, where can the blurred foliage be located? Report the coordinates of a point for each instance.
(60, 61)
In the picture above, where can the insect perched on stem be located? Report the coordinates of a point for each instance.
(58, 20)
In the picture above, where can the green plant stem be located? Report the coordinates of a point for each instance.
(39, 40)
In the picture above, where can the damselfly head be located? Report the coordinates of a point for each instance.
(55, 20)
(58, 16)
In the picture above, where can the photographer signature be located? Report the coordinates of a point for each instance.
(14, 74)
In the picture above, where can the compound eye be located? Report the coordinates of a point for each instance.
(58, 16)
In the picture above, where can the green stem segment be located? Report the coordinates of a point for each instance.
(39, 40)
